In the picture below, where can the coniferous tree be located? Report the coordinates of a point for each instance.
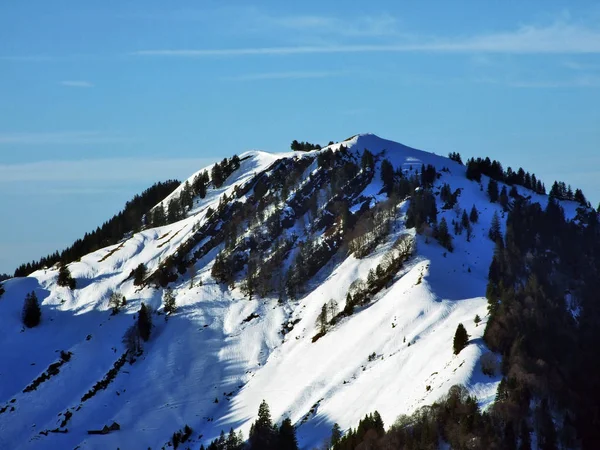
(200, 184)
(461, 339)
(455, 156)
(336, 435)
(144, 322)
(159, 218)
(64, 277)
(474, 215)
(378, 423)
(503, 198)
(443, 235)
(464, 220)
(186, 198)
(169, 302)
(216, 174)
(387, 176)
(139, 274)
(495, 231)
(262, 433)
(367, 161)
(32, 313)
(1, 290)
(579, 197)
(473, 170)
(234, 441)
(174, 210)
(287, 436)
(493, 190)
(322, 320)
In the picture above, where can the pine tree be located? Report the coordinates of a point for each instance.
(217, 175)
(186, 198)
(169, 302)
(378, 423)
(262, 434)
(367, 161)
(287, 436)
(1, 290)
(474, 216)
(64, 277)
(322, 320)
(200, 184)
(495, 232)
(464, 220)
(234, 441)
(159, 218)
(31, 311)
(144, 322)
(503, 198)
(336, 435)
(461, 339)
(139, 274)
(493, 190)
(443, 235)
(579, 197)
(387, 176)
(174, 210)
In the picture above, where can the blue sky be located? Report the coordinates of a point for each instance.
(101, 99)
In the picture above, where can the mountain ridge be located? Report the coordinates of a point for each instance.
(212, 362)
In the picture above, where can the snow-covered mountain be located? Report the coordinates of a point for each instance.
(221, 353)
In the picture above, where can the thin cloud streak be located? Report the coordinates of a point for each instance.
(284, 76)
(556, 39)
(588, 81)
(366, 26)
(77, 84)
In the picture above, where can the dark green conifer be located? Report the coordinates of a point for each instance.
(144, 322)
(461, 339)
(32, 313)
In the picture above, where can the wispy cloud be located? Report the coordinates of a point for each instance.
(100, 170)
(77, 84)
(584, 81)
(371, 25)
(574, 65)
(27, 58)
(61, 138)
(559, 38)
(286, 75)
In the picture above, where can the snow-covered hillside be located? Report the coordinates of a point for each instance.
(212, 363)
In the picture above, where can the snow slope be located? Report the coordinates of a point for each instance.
(209, 368)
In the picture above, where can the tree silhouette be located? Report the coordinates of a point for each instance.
(461, 339)
(144, 322)
(64, 277)
(262, 432)
(31, 311)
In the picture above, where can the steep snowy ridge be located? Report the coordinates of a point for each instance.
(209, 365)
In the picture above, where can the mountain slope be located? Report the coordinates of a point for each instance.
(221, 353)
